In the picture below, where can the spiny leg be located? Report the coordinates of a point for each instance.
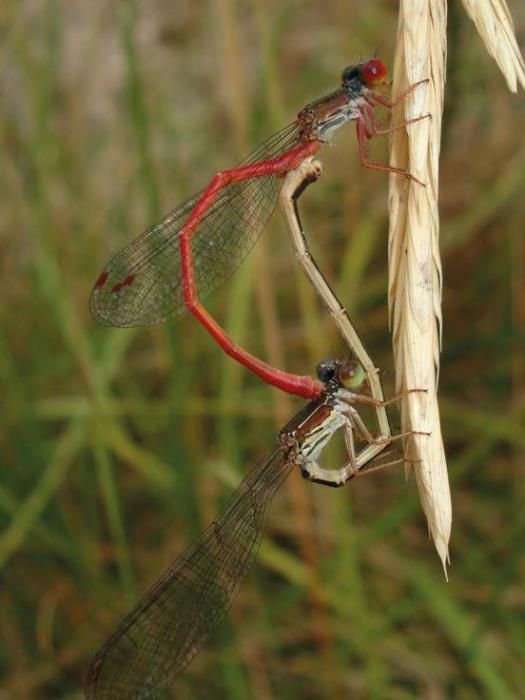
(390, 104)
(364, 462)
(375, 128)
(372, 401)
(368, 126)
(362, 136)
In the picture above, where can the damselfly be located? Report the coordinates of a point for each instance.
(171, 623)
(196, 246)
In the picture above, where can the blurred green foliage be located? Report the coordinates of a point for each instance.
(117, 446)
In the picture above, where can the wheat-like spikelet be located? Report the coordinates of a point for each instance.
(415, 265)
(496, 28)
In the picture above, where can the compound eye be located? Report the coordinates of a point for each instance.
(373, 72)
(326, 370)
(351, 375)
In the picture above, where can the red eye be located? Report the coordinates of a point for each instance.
(373, 72)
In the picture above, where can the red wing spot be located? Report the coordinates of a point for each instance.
(101, 280)
(125, 283)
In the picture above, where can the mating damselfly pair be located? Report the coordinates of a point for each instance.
(190, 252)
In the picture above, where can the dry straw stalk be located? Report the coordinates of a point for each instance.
(415, 265)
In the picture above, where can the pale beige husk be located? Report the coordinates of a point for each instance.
(414, 260)
(496, 28)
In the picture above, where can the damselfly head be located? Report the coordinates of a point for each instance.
(370, 73)
(349, 375)
(325, 116)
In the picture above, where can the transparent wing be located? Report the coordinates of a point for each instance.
(160, 637)
(142, 284)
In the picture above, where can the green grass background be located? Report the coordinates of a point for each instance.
(117, 446)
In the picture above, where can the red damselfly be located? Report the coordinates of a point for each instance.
(196, 246)
(172, 622)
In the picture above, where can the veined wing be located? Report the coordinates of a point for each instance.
(142, 284)
(160, 637)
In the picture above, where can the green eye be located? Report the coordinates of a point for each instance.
(352, 375)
